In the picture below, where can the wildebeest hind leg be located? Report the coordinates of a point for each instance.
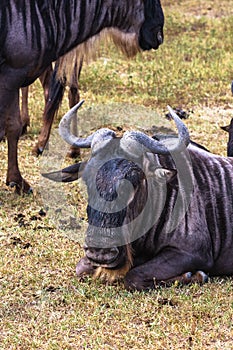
(54, 99)
(74, 98)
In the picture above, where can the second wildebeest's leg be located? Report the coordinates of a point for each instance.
(167, 267)
(74, 98)
(55, 95)
(11, 125)
(45, 81)
(24, 109)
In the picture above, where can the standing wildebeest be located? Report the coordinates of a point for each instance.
(36, 33)
(172, 223)
(229, 129)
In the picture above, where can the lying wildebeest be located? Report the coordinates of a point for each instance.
(36, 33)
(175, 220)
(229, 129)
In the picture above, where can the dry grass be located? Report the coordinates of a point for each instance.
(42, 304)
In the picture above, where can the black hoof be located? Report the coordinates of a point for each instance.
(30, 191)
(18, 189)
(12, 184)
(201, 277)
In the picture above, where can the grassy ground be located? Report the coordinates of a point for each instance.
(42, 305)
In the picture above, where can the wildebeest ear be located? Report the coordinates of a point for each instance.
(225, 128)
(69, 174)
(165, 175)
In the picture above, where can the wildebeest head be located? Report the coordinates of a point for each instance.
(120, 176)
(151, 33)
(144, 32)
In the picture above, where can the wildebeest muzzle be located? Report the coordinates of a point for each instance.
(150, 37)
(104, 257)
(151, 33)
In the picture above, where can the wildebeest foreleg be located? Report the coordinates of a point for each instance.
(166, 268)
(9, 109)
(186, 278)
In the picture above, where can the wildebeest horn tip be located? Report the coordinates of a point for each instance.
(171, 110)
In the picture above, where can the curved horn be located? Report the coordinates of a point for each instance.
(183, 132)
(157, 146)
(64, 131)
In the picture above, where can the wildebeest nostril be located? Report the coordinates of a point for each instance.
(160, 37)
(114, 250)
